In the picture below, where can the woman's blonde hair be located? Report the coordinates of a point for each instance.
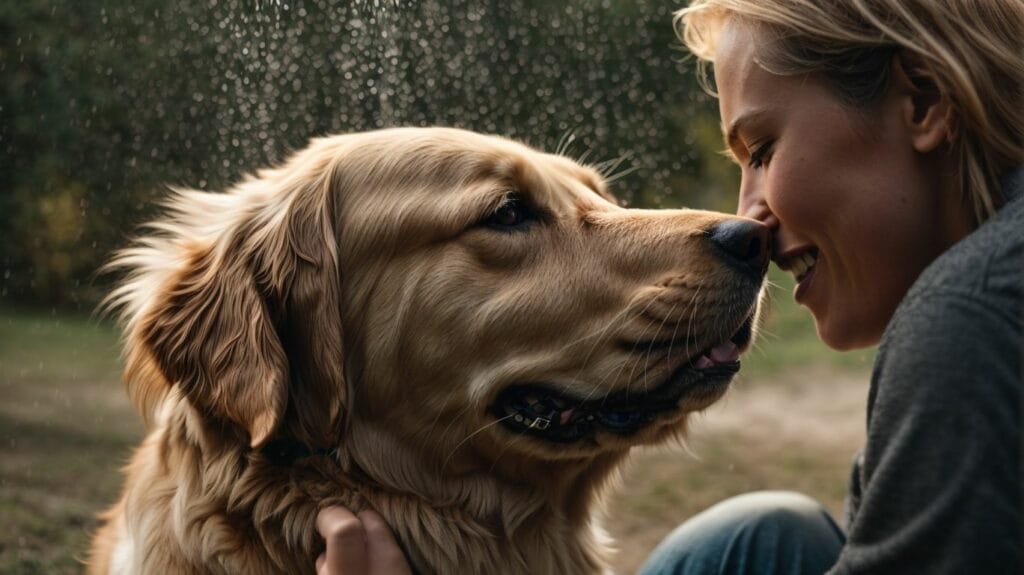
(972, 47)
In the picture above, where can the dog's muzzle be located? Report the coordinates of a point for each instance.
(546, 413)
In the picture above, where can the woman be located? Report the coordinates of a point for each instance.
(881, 140)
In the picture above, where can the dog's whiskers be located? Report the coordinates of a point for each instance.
(650, 348)
(470, 436)
(608, 167)
(599, 338)
(693, 313)
(693, 310)
(451, 421)
(617, 176)
(568, 137)
(614, 375)
(583, 157)
(646, 356)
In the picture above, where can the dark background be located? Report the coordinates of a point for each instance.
(105, 103)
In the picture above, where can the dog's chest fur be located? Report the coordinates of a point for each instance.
(191, 509)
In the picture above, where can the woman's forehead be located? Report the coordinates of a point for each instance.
(744, 87)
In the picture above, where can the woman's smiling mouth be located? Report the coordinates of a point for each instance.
(802, 263)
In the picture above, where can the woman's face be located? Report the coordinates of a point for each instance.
(855, 197)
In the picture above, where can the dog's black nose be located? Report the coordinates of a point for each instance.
(744, 243)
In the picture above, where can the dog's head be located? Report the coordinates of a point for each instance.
(467, 296)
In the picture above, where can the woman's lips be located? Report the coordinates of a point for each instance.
(802, 262)
(800, 293)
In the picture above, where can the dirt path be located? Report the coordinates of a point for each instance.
(796, 432)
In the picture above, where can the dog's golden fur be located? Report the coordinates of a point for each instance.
(352, 300)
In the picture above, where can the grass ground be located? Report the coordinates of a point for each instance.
(65, 428)
(798, 434)
(792, 421)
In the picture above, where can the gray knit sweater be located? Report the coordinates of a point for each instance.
(938, 487)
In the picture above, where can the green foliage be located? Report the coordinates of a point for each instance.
(103, 104)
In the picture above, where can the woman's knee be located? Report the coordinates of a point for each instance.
(744, 534)
(782, 510)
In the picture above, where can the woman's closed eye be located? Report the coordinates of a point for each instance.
(761, 154)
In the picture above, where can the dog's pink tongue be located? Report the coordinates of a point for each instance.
(725, 353)
(566, 415)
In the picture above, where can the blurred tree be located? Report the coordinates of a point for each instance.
(104, 103)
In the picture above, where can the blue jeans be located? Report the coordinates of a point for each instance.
(762, 533)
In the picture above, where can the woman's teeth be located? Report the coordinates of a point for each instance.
(800, 265)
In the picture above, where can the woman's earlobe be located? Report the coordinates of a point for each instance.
(927, 113)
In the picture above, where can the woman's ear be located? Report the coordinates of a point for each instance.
(927, 111)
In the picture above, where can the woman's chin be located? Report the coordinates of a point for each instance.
(846, 334)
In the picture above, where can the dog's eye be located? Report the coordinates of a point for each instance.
(513, 213)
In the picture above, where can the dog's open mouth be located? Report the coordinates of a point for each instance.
(547, 413)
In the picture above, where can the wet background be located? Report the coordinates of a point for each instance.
(103, 103)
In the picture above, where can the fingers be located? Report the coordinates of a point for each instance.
(386, 556)
(346, 543)
(360, 544)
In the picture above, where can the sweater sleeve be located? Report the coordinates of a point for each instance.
(940, 476)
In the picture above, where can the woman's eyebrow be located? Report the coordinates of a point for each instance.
(731, 134)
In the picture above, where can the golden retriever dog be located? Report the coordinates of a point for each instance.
(456, 330)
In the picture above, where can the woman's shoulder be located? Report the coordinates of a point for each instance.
(987, 265)
(960, 322)
(944, 406)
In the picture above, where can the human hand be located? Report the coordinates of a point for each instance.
(358, 544)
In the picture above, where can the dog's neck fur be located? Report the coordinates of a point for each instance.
(505, 526)
(496, 506)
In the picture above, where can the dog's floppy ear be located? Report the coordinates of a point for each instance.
(250, 330)
(310, 324)
(212, 334)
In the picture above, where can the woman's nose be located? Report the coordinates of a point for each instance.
(753, 205)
